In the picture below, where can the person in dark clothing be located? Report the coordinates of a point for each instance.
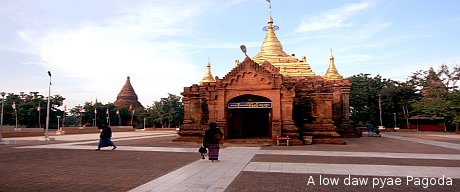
(211, 140)
(105, 136)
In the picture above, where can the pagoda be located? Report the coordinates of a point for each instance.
(127, 97)
(269, 96)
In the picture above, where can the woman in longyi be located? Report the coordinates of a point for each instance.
(211, 140)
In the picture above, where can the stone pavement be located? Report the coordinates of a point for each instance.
(149, 161)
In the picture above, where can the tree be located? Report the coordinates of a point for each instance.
(27, 109)
(440, 94)
(450, 77)
(364, 96)
(378, 99)
(168, 112)
(77, 113)
(398, 98)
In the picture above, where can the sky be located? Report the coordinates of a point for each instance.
(90, 46)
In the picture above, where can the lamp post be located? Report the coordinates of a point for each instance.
(380, 110)
(48, 109)
(1, 121)
(119, 120)
(58, 117)
(63, 116)
(132, 116)
(81, 114)
(15, 114)
(39, 115)
(395, 119)
(95, 117)
(144, 123)
(108, 117)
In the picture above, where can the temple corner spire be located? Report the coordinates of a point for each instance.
(208, 76)
(332, 73)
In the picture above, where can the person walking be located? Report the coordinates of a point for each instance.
(105, 138)
(211, 140)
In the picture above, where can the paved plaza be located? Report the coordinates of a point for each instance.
(149, 161)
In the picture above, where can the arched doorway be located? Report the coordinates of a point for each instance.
(249, 116)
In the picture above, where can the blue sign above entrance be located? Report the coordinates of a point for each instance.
(245, 105)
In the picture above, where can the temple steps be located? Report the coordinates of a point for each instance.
(249, 142)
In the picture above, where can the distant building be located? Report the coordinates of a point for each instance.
(427, 123)
(127, 96)
(273, 94)
(434, 86)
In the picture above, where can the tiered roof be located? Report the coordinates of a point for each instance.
(127, 96)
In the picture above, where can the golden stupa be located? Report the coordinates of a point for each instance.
(332, 72)
(272, 51)
(208, 76)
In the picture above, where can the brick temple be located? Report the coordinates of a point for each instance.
(127, 96)
(272, 94)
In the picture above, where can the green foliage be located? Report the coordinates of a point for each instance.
(27, 109)
(168, 112)
(91, 111)
(427, 93)
(441, 97)
(397, 98)
(366, 94)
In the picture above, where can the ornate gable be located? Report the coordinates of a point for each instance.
(250, 75)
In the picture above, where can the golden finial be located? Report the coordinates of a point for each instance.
(332, 73)
(208, 76)
(269, 8)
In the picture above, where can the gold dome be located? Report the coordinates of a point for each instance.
(272, 51)
(208, 76)
(332, 72)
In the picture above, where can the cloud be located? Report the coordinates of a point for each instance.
(336, 18)
(141, 41)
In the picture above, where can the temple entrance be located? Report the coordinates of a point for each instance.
(249, 117)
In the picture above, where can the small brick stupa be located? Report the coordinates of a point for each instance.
(127, 96)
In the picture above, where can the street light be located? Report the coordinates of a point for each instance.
(1, 121)
(95, 117)
(81, 114)
(58, 117)
(39, 115)
(108, 117)
(132, 116)
(119, 120)
(395, 119)
(380, 109)
(48, 109)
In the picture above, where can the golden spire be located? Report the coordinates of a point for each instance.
(208, 76)
(272, 51)
(332, 73)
